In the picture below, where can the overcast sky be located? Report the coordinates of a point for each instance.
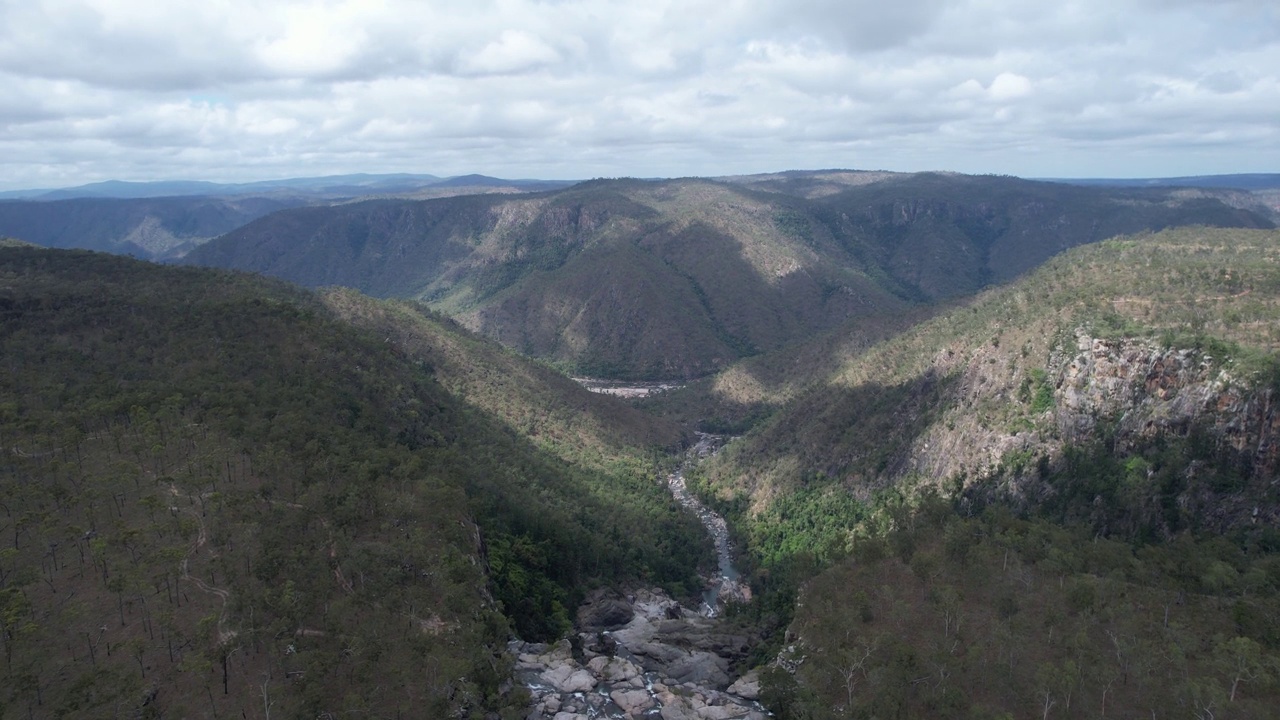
(233, 90)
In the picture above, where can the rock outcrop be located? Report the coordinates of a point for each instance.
(1128, 392)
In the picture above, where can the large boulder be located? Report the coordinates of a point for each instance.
(632, 702)
(569, 679)
(613, 669)
(604, 609)
(723, 712)
(700, 668)
(747, 686)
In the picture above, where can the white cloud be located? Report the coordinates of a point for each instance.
(230, 89)
(1009, 86)
(513, 51)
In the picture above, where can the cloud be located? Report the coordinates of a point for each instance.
(513, 51)
(236, 89)
(1009, 86)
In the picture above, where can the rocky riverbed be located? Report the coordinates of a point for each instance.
(624, 389)
(642, 655)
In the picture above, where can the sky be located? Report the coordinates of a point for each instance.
(233, 90)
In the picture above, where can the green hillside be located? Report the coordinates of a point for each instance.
(552, 411)
(220, 498)
(1056, 500)
(680, 278)
(998, 617)
(1133, 343)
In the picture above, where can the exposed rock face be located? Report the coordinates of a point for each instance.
(1152, 390)
(747, 686)
(1130, 391)
(654, 666)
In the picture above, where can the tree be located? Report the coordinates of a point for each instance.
(1244, 661)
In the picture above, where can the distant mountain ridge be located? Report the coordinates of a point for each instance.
(150, 228)
(351, 185)
(164, 220)
(1242, 181)
(679, 278)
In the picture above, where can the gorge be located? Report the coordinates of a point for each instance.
(639, 653)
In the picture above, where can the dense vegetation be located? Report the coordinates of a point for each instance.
(228, 495)
(991, 616)
(221, 499)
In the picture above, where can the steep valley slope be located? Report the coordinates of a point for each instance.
(1133, 343)
(220, 498)
(149, 228)
(1058, 499)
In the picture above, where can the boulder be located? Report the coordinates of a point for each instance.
(723, 712)
(632, 702)
(700, 668)
(659, 653)
(569, 679)
(676, 708)
(747, 686)
(613, 669)
(604, 609)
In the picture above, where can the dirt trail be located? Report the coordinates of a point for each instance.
(225, 634)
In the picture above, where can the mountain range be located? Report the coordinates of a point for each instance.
(165, 220)
(679, 278)
(327, 186)
(1004, 448)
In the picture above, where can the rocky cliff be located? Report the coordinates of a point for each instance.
(1131, 394)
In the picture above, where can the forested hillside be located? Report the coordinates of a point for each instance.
(679, 278)
(552, 411)
(993, 616)
(1134, 337)
(1058, 499)
(220, 498)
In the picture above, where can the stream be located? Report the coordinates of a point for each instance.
(726, 585)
